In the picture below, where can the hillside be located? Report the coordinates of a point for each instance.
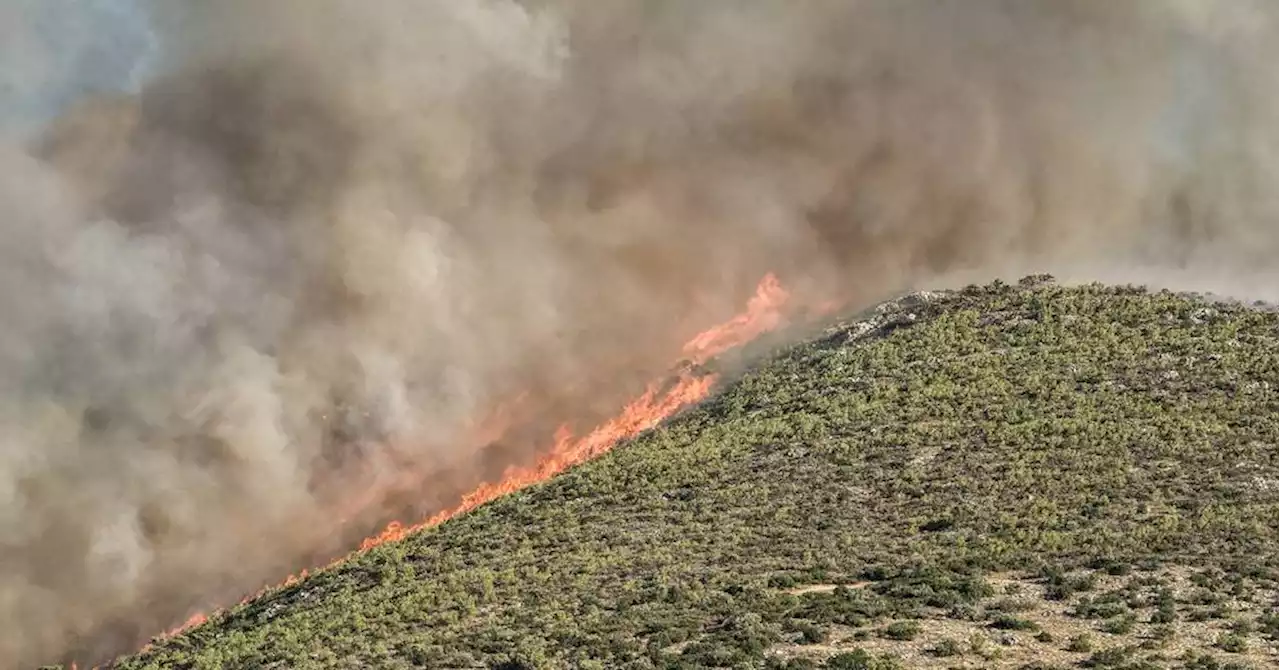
(1003, 475)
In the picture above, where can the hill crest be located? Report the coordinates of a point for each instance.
(951, 478)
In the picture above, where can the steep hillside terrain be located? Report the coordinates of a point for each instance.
(1022, 475)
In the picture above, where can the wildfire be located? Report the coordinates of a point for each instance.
(660, 400)
(763, 314)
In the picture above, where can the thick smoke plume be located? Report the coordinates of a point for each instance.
(258, 308)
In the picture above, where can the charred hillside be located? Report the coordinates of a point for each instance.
(1009, 474)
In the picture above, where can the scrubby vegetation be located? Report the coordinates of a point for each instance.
(1024, 475)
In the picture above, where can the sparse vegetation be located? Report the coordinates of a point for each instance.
(946, 647)
(1009, 622)
(1232, 642)
(1120, 625)
(861, 660)
(1116, 455)
(1082, 643)
(902, 630)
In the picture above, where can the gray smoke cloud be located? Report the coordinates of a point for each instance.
(256, 309)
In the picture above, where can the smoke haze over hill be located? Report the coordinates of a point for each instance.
(328, 236)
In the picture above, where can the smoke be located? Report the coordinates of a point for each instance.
(257, 308)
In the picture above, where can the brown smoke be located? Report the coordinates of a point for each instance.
(332, 233)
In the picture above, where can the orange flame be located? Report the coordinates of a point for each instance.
(661, 400)
(764, 313)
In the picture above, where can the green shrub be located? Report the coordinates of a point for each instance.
(1193, 660)
(796, 663)
(946, 647)
(1108, 658)
(812, 634)
(1269, 624)
(1121, 625)
(1164, 616)
(1010, 622)
(859, 659)
(1163, 633)
(1082, 643)
(1013, 605)
(901, 630)
(1231, 642)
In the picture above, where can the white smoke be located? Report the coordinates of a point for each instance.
(245, 307)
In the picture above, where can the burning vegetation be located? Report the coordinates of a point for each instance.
(334, 264)
(1000, 475)
(686, 385)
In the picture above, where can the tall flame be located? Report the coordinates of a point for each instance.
(660, 400)
(763, 314)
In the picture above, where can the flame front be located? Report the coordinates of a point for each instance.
(660, 400)
(763, 314)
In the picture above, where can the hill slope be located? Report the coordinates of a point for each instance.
(1003, 474)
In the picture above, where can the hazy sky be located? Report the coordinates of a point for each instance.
(52, 51)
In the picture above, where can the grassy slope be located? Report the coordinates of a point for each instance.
(1095, 465)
